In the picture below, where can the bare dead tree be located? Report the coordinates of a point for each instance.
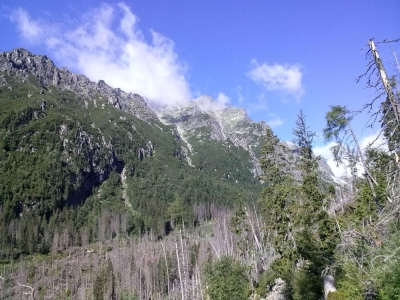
(29, 291)
(179, 270)
(385, 81)
(378, 79)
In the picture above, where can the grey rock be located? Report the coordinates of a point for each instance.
(22, 64)
(278, 290)
(221, 123)
(203, 118)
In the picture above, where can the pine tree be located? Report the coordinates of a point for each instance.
(312, 198)
(277, 200)
(315, 233)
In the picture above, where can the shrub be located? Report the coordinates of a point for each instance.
(227, 280)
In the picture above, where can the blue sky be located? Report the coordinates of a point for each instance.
(271, 57)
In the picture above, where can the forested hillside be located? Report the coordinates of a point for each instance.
(103, 198)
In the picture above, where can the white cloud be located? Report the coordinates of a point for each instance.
(326, 153)
(107, 44)
(30, 30)
(222, 100)
(341, 170)
(274, 120)
(289, 143)
(282, 78)
(207, 103)
(374, 141)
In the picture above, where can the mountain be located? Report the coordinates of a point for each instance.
(92, 176)
(203, 121)
(62, 136)
(72, 146)
(22, 65)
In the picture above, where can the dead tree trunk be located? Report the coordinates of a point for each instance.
(385, 81)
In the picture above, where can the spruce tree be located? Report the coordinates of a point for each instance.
(277, 200)
(315, 233)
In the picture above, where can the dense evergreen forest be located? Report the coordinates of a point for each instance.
(96, 203)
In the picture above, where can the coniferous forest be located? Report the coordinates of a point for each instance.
(99, 202)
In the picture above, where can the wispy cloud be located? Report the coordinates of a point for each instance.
(207, 103)
(274, 120)
(374, 141)
(29, 29)
(240, 97)
(281, 78)
(223, 100)
(106, 43)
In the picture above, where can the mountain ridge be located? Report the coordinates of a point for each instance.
(197, 120)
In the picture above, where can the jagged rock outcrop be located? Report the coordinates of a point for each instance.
(329, 285)
(90, 158)
(203, 118)
(278, 290)
(22, 64)
(146, 151)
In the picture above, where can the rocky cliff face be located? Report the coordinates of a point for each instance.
(203, 119)
(64, 133)
(22, 64)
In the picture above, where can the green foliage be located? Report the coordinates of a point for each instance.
(265, 281)
(227, 280)
(336, 122)
(295, 213)
(104, 284)
(277, 198)
(387, 268)
(224, 161)
(337, 296)
(338, 129)
(316, 237)
(389, 122)
(60, 165)
(307, 285)
(178, 212)
(349, 281)
(126, 295)
(390, 282)
(240, 226)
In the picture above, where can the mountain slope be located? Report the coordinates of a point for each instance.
(202, 122)
(64, 142)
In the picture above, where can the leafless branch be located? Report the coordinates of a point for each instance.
(387, 42)
(31, 290)
(370, 144)
(371, 104)
(55, 291)
(370, 66)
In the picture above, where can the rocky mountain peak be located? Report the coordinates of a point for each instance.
(206, 119)
(22, 64)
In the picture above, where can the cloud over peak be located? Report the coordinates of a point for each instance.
(207, 103)
(107, 44)
(283, 78)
